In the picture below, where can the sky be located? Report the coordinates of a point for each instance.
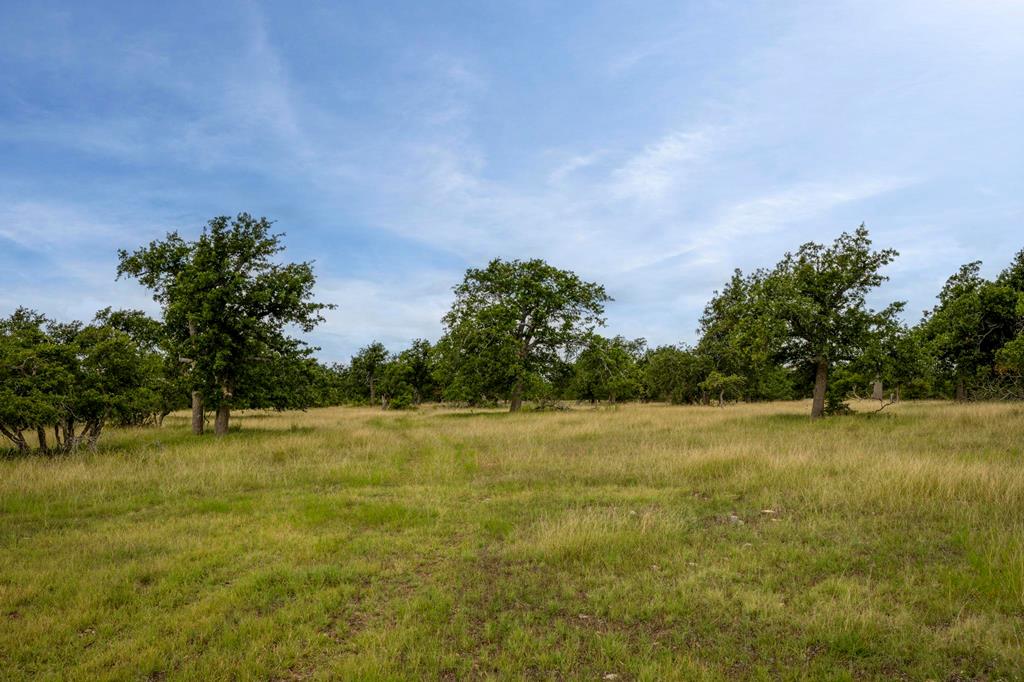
(649, 146)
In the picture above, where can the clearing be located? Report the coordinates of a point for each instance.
(638, 542)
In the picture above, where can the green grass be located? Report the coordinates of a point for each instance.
(646, 542)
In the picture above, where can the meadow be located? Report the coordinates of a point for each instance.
(638, 542)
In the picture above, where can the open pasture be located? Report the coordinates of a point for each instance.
(637, 542)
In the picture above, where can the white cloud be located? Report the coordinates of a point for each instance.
(574, 163)
(782, 143)
(55, 227)
(663, 165)
(391, 311)
(629, 59)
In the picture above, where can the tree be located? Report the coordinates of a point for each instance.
(894, 357)
(420, 362)
(109, 376)
(407, 379)
(33, 376)
(166, 387)
(226, 304)
(671, 374)
(512, 322)
(367, 367)
(739, 337)
(396, 391)
(1013, 275)
(475, 364)
(973, 320)
(71, 378)
(607, 369)
(818, 293)
(722, 385)
(1010, 358)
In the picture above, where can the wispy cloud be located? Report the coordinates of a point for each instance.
(397, 152)
(663, 165)
(368, 309)
(626, 60)
(573, 164)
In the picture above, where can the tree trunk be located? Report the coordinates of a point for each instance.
(198, 408)
(961, 391)
(198, 413)
(93, 434)
(220, 426)
(877, 390)
(41, 435)
(16, 438)
(820, 384)
(373, 392)
(517, 397)
(70, 439)
(721, 398)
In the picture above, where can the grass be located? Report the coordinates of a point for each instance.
(643, 542)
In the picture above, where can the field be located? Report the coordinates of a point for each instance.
(638, 542)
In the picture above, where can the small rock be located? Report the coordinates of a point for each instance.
(611, 676)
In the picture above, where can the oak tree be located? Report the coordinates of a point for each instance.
(514, 321)
(819, 294)
(227, 303)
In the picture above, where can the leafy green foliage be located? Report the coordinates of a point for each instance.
(165, 374)
(367, 369)
(608, 369)
(511, 324)
(33, 376)
(740, 337)
(407, 379)
(818, 294)
(516, 330)
(70, 379)
(226, 303)
(974, 319)
(722, 385)
(671, 374)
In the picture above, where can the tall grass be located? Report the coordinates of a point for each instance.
(645, 542)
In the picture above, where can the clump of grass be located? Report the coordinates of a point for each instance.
(647, 542)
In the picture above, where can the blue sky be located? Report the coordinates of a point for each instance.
(651, 146)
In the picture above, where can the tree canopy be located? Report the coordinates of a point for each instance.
(511, 323)
(226, 303)
(516, 330)
(68, 380)
(819, 295)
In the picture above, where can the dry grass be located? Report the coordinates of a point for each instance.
(648, 542)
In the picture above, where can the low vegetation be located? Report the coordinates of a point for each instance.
(634, 542)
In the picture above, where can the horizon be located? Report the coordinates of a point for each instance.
(652, 149)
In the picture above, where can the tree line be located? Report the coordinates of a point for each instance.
(519, 330)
